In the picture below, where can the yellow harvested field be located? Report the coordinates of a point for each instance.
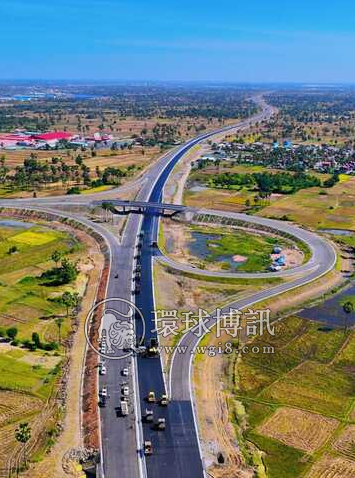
(345, 444)
(33, 238)
(299, 429)
(332, 467)
(313, 208)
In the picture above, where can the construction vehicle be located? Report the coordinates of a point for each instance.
(124, 408)
(153, 347)
(164, 400)
(148, 417)
(160, 424)
(102, 401)
(151, 397)
(148, 449)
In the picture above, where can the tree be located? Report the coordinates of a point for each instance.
(68, 271)
(348, 308)
(59, 323)
(67, 300)
(56, 256)
(12, 332)
(36, 340)
(22, 435)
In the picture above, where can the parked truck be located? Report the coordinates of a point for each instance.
(124, 408)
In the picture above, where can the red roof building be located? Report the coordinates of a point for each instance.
(52, 136)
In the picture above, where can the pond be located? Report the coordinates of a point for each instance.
(200, 246)
(331, 311)
(15, 223)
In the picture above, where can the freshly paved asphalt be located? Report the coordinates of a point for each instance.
(176, 452)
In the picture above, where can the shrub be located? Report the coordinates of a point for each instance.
(12, 332)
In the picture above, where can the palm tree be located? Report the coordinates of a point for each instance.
(22, 435)
(56, 256)
(59, 323)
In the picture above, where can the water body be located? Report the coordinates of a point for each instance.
(331, 311)
(15, 223)
(197, 188)
(199, 247)
(338, 232)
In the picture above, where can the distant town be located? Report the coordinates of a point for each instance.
(287, 156)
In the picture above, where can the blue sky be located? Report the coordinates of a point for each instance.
(225, 40)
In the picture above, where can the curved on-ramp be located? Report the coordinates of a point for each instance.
(321, 251)
(323, 260)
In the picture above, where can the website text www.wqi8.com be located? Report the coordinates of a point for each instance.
(213, 350)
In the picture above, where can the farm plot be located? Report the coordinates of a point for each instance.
(296, 398)
(333, 467)
(299, 429)
(317, 387)
(15, 406)
(345, 444)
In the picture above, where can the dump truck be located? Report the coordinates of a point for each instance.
(164, 400)
(151, 397)
(124, 408)
(102, 401)
(153, 349)
(148, 417)
(160, 424)
(148, 449)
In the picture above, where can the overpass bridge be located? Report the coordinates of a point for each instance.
(119, 206)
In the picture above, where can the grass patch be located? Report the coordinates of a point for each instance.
(227, 280)
(17, 375)
(35, 238)
(280, 460)
(98, 189)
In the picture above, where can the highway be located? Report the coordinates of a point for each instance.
(176, 451)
